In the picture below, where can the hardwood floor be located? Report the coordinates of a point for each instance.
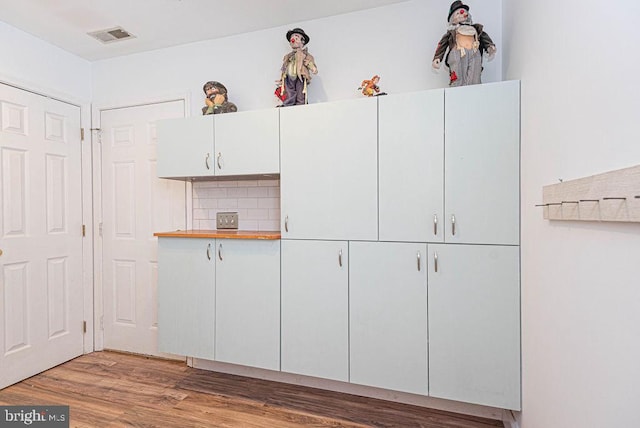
(109, 389)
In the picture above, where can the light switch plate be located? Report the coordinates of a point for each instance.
(227, 220)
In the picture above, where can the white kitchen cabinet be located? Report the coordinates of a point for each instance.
(388, 315)
(247, 143)
(223, 145)
(185, 147)
(411, 174)
(329, 170)
(482, 163)
(315, 320)
(186, 296)
(474, 324)
(247, 325)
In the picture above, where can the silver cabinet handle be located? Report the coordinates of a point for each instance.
(206, 160)
(220, 251)
(218, 160)
(435, 261)
(418, 261)
(340, 258)
(453, 224)
(286, 224)
(435, 224)
(209, 251)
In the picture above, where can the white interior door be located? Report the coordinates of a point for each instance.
(135, 204)
(41, 306)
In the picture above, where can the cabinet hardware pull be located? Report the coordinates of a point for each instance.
(286, 224)
(418, 261)
(218, 161)
(209, 251)
(206, 160)
(340, 258)
(453, 224)
(435, 224)
(220, 251)
(435, 261)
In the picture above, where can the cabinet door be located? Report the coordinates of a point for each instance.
(474, 324)
(411, 176)
(185, 147)
(248, 303)
(315, 323)
(329, 170)
(482, 161)
(247, 143)
(186, 296)
(388, 315)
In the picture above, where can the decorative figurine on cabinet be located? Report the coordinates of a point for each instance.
(297, 67)
(370, 88)
(464, 43)
(216, 99)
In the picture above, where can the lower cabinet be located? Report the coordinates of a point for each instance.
(315, 312)
(186, 296)
(219, 299)
(388, 315)
(247, 319)
(474, 324)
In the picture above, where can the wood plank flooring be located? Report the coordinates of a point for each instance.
(109, 389)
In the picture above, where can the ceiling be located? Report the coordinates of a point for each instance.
(160, 23)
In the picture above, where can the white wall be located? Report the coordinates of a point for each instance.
(33, 64)
(397, 42)
(581, 283)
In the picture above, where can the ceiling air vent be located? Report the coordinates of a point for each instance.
(111, 35)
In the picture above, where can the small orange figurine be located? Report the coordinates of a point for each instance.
(370, 88)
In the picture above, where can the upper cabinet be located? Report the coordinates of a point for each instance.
(482, 164)
(224, 145)
(329, 170)
(411, 176)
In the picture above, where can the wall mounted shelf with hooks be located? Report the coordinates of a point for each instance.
(610, 196)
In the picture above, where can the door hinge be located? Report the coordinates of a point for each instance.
(100, 228)
(101, 322)
(81, 134)
(84, 326)
(84, 230)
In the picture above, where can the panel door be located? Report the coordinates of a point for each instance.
(315, 320)
(185, 147)
(248, 303)
(247, 143)
(186, 296)
(388, 315)
(329, 170)
(411, 175)
(474, 324)
(135, 204)
(482, 163)
(41, 289)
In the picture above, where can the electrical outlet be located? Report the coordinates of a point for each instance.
(228, 220)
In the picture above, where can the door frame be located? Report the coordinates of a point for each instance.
(97, 273)
(86, 154)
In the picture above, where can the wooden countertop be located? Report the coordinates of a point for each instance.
(222, 234)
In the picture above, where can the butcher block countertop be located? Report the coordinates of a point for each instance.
(221, 234)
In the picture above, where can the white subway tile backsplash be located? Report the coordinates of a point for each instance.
(258, 214)
(257, 203)
(248, 203)
(269, 203)
(260, 192)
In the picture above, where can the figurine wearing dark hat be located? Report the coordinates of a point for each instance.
(216, 99)
(463, 43)
(297, 67)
